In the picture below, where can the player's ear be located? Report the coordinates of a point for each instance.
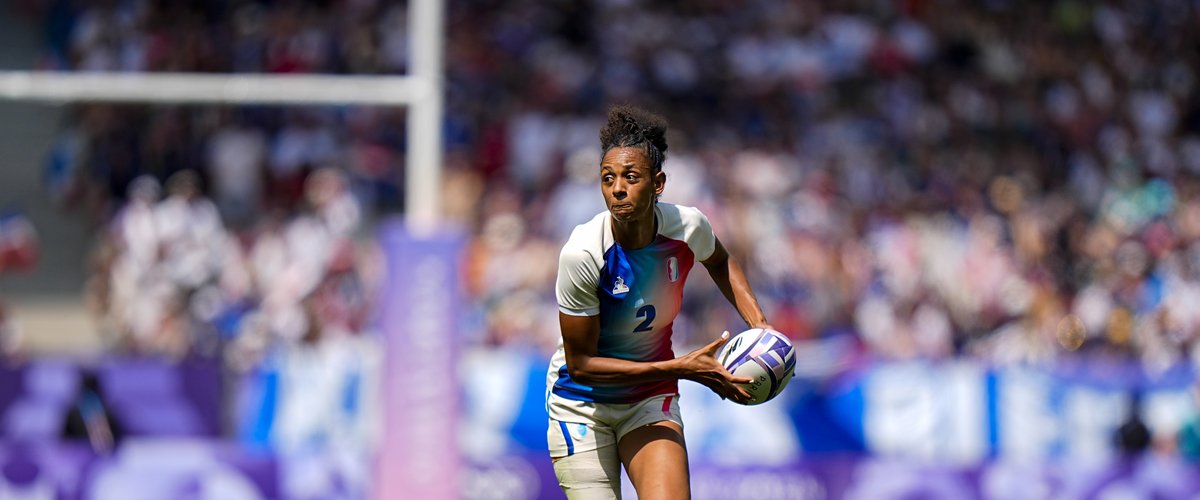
(660, 183)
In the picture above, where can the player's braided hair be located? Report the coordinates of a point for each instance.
(630, 126)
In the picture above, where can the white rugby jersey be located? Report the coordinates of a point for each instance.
(637, 294)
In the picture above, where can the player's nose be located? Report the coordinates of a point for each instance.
(618, 190)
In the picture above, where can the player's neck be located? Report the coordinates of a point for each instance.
(635, 234)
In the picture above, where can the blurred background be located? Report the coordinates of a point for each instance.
(977, 220)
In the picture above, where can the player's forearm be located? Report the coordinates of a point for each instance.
(597, 370)
(733, 284)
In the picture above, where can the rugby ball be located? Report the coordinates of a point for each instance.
(761, 354)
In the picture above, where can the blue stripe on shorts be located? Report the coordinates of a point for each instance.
(567, 436)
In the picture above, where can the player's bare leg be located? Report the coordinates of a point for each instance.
(656, 459)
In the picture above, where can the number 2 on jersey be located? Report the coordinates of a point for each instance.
(646, 311)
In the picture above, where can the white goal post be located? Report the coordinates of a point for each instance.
(421, 91)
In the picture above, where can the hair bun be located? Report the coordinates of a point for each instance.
(631, 126)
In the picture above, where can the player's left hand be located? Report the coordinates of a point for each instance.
(701, 366)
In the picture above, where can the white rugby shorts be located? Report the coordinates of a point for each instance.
(583, 437)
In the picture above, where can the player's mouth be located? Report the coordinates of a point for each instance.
(621, 207)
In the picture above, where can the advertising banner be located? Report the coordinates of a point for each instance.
(419, 457)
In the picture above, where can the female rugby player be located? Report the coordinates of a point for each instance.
(612, 392)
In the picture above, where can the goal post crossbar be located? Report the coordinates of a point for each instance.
(206, 88)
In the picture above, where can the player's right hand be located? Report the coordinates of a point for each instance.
(701, 366)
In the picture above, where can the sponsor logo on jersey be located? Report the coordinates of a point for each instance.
(619, 287)
(673, 269)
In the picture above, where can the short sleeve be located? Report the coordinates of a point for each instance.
(578, 278)
(698, 232)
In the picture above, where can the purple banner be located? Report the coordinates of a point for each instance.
(530, 475)
(868, 478)
(171, 468)
(420, 457)
(525, 475)
(140, 469)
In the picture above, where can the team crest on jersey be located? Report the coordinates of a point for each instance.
(673, 269)
(619, 286)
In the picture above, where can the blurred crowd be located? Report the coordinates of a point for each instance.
(168, 276)
(996, 179)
